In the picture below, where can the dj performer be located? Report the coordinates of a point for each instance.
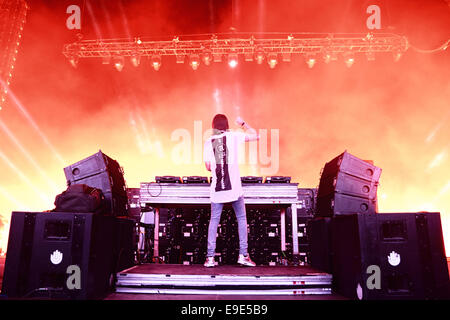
(221, 154)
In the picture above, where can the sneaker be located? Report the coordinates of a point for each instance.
(246, 261)
(209, 263)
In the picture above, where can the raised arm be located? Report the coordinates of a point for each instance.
(251, 133)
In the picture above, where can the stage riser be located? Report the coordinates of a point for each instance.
(171, 278)
(325, 291)
(163, 280)
(224, 285)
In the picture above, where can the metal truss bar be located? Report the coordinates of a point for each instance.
(322, 44)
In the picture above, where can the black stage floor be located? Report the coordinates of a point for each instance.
(176, 269)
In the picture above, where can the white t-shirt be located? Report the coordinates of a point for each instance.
(222, 152)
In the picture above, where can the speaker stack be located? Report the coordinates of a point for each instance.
(347, 185)
(374, 255)
(101, 172)
(73, 255)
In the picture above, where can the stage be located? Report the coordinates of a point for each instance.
(223, 280)
(157, 272)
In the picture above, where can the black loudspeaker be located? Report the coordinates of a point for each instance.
(349, 164)
(344, 183)
(406, 248)
(319, 238)
(102, 172)
(43, 245)
(336, 204)
(125, 243)
(347, 185)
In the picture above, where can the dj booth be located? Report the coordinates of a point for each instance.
(262, 195)
(272, 201)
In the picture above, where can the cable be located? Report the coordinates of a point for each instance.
(440, 48)
(160, 189)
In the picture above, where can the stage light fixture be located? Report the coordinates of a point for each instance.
(286, 56)
(259, 56)
(135, 60)
(74, 61)
(106, 60)
(397, 55)
(156, 62)
(349, 59)
(180, 58)
(329, 56)
(248, 57)
(194, 61)
(272, 60)
(370, 55)
(207, 57)
(233, 60)
(217, 57)
(118, 63)
(310, 60)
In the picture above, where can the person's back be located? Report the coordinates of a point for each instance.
(222, 150)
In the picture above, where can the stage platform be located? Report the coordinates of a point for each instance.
(168, 271)
(174, 279)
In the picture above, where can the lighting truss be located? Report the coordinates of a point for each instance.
(245, 45)
(12, 21)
